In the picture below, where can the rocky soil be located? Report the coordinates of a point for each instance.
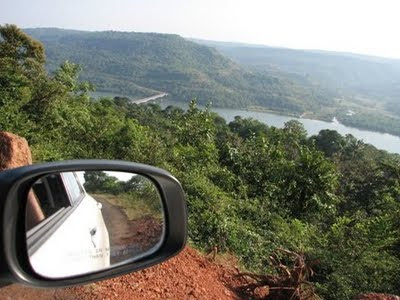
(186, 276)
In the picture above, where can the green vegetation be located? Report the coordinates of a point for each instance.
(369, 86)
(143, 64)
(250, 188)
(138, 196)
(372, 120)
(285, 81)
(346, 73)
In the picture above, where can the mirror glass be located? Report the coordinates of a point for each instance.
(82, 222)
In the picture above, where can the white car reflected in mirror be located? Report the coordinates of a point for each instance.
(82, 222)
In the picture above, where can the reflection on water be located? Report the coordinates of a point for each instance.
(383, 141)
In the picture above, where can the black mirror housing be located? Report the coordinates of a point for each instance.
(15, 185)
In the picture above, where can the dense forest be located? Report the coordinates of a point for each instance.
(321, 84)
(250, 188)
(140, 64)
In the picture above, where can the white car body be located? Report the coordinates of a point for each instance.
(80, 242)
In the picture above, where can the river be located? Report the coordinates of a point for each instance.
(383, 141)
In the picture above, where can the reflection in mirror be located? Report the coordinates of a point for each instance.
(82, 222)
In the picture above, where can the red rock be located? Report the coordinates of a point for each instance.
(261, 292)
(14, 151)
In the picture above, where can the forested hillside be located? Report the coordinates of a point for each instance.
(368, 86)
(315, 84)
(251, 189)
(374, 77)
(141, 64)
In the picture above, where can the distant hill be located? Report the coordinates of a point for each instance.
(311, 83)
(350, 74)
(143, 64)
(366, 89)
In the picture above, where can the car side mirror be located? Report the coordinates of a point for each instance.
(75, 222)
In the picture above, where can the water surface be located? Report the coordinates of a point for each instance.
(383, 141)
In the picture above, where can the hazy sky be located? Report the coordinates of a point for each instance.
(361, 26)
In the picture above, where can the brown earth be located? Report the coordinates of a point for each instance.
(144, 231)
(14, 151)
(189, 275)
(128, 237)
(186, 276)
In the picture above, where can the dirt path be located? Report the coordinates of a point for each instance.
(115, 219)
(128, 237)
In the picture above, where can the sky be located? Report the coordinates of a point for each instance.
(122, 176)
(358, 26)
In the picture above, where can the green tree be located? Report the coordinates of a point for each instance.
(21, 69)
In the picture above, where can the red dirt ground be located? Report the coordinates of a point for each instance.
(189, 275)
(186, 276)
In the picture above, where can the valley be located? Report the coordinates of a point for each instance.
(320, 84)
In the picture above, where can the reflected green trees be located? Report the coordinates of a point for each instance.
(138, 197)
